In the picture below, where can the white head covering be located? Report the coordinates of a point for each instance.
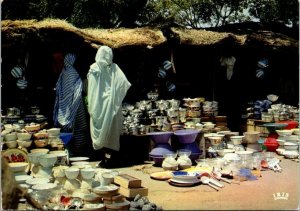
(229, 63)
(107, 87)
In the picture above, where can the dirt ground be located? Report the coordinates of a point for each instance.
(248, 195)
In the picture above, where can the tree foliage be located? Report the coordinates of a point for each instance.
(131, 13)
(286, 11)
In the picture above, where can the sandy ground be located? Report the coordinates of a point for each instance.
(248, 195)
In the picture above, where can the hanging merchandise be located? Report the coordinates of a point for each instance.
(161, 73)
(260, 73)
(22, 83)
(167, 65)
(229, 63)
(107, 87)
(17, 72)
(170, 86)
(263, 63)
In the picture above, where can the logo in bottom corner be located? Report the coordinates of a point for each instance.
(280, 196)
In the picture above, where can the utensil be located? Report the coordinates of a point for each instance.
(205, 180)
(218, 176)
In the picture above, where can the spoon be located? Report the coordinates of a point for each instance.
(205, 180)
(218, 176)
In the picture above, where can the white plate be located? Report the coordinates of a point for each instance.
(35, 181)
(183, 181)
(46, 186)
(79, 163)
(183, 184)
(105, 189)
(78, 159)
(22, 178)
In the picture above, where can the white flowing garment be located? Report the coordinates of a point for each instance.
(229, 63)
(107, 87)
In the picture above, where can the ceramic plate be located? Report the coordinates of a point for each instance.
(78, 159)
(105, 189)
(124, 205)
(16, 155)
(79, 163)
(183, 183)
(46, 186)
(35, 181)
(22, 178)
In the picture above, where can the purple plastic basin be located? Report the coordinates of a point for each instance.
(160, 137)
(161, 150)
(157, 159)
(186, 136)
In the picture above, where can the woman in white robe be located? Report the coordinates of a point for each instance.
(107, 87)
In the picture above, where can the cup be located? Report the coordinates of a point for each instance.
(107, 178)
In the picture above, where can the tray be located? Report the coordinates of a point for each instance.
(162, 175)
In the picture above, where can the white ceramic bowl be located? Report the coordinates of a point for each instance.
(281, 142)
(21, 179)
(296, 131)
(59, 171)
(44, 187)
(251, 137)
(209, 125)
(284, 132)
(292, 138)
(41, 142)
(72, 173)
(236, 140)
(53, 132)
(10, 137)
(272, 97)
(290, 146)
(87, 173)
(35, 181)
(24, 144)
(223, 152)
(244, 154)
(280, 151)
(42, 150)
(24, 136)
(291, 154)
(47, 160)
(11, 144)
(34, 157)
(18, 167)
(215, 140)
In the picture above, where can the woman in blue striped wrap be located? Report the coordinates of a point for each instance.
(69, 110)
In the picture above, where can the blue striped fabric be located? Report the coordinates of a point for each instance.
(17, 72)
(68, 95)
(81, 145)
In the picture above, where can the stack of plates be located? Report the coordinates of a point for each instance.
(184, 179)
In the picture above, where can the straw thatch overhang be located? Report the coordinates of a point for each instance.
(248, 39)
(23, 31)
(59, 30)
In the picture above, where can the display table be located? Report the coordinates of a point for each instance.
(248, 195)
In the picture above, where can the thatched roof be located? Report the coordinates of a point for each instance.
(203, 37)
(58, 29)
(114, 38)
(260, 37)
